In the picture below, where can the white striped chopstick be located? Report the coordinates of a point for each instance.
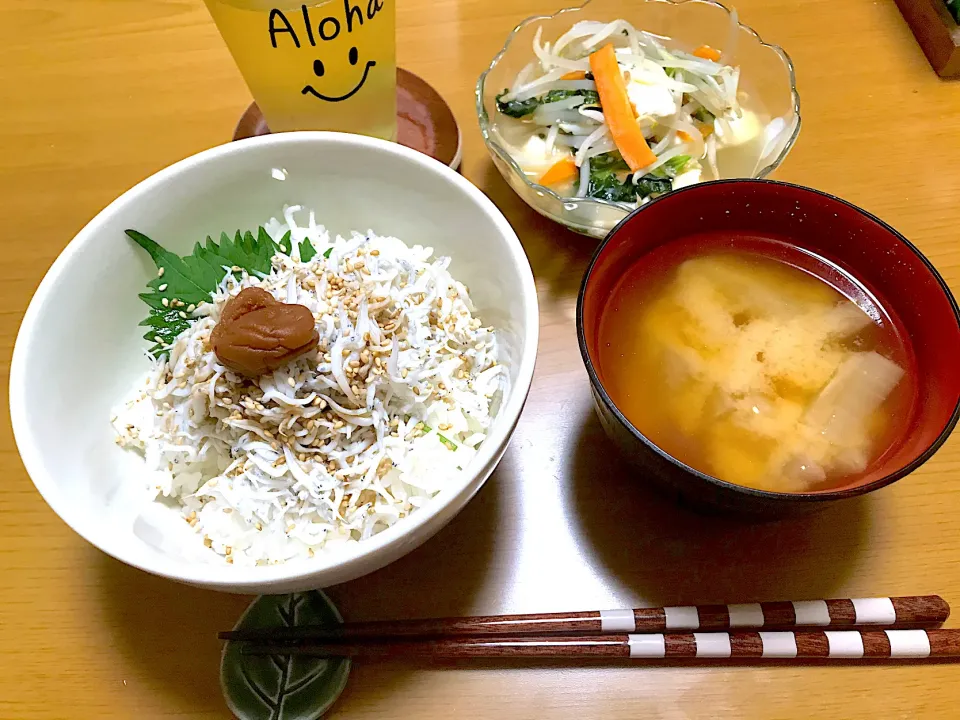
(747, 646)
(893, 612)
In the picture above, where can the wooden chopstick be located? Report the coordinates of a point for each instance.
(752, 646)
(895, 612)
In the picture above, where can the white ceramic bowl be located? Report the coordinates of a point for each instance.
(79, 347)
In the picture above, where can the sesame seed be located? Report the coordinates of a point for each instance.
(160, 272)
(165, 302)
(207, 541)
(162, 288)
(291, 382)
(183, 314)
(230, 559)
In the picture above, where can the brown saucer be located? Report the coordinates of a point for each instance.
(424, 121)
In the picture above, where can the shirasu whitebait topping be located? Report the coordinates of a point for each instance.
(342, 442)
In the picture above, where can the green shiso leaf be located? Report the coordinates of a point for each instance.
(307, 251)
(190, 280)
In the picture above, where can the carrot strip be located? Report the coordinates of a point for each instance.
(559, 172)
(618, 110)
(574, 75)
(707, 53)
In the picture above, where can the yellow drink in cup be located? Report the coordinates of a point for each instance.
(328, 65)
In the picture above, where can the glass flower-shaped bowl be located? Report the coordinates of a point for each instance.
(766, 75)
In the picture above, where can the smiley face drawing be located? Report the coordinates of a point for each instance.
(318, 70)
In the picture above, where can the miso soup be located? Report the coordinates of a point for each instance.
(757, 363)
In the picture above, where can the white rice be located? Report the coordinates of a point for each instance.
(321, 453)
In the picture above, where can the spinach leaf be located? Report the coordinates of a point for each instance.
(704, 115)
(607, 180)
(649, 185)
(522, 108)
(590, 97)
(675, 165)
(607, 185)
(612, 161)
(516, 108)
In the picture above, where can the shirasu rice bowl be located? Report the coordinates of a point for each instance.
(340, 443)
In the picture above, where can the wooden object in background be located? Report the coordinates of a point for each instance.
(936, 31)
(901, 612)
(100, 94)
(709, 646)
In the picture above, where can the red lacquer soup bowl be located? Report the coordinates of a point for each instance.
(884, 264)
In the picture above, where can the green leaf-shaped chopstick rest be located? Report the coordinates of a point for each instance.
(279, 687)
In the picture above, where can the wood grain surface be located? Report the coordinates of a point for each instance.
(98, 94)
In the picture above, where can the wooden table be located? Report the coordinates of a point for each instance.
(98, 94)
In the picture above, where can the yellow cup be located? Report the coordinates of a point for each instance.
(328, 65)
